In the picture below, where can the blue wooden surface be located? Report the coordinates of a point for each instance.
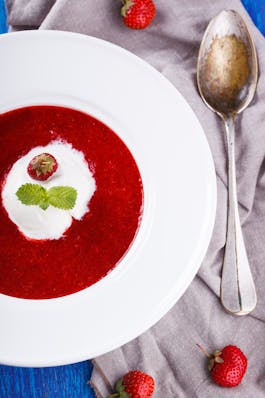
(56, 382)
(3, 24)
(256, 9)
(71, 380)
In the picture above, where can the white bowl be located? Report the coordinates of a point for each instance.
(169, 146)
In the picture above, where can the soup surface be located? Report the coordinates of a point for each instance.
(96, 233)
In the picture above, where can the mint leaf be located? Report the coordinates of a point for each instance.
(62, 197)
(31, 194)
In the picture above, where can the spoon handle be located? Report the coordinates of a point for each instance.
(238, 294)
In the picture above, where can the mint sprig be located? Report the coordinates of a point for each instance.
(62, 197)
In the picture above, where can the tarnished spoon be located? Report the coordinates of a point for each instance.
(227, 74)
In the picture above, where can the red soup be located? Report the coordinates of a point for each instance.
(91, 247)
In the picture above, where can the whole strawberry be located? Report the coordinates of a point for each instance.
(138, 14)
(42, 166)
(134, 384)
(228, 366)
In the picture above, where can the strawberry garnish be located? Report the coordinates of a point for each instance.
(134, 384)
(138, 14)
(227, 366)
(42, 166)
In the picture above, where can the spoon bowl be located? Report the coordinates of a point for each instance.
(227, 69)
(227, 75)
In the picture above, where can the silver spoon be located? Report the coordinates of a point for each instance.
(227, 74)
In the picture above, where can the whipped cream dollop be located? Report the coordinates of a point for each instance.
(73, 171)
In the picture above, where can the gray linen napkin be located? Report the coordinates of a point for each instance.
(167, 350)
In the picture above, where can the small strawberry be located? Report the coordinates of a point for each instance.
(138, 14)
(134, 384)
(42, 166)
(227, 366)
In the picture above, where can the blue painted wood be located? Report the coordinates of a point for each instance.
(54, 382)
(71, 380)
(256, 9)
(3, 23)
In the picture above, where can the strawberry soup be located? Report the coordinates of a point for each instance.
(63, 232)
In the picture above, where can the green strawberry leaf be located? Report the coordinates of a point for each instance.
(62, 197)
(119, 387)
(124, 394)
(31, 194)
